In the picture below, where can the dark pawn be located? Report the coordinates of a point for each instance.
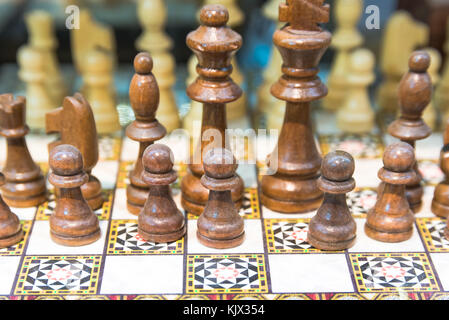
(220, 226)
(333, 227)
(391, 219)
(10, 227)
(440, 201)
(25, 184)
(73, 222)
(160, 220)
(415, 91)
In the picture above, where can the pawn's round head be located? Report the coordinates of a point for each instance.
(338, 166)
(158, 158)
(143, 63)
(66, 160)
(214, 15)
(219, 163)
(399, 157)
(419, 61)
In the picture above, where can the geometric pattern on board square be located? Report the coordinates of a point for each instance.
(366, 146)
(288, 236)
(432, 232)
(125, 239)
(361, 200)
(59, 275)
(46, 209)
(393, 272)
(226, 274)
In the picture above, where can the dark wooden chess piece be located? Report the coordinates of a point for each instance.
(391, 219)
(73, 223)
(76, 124)
(440, 201)
(25, 184)
(302, 43)
(160, 220)
(144, 99)
(333, 227)
(10, 228)
(214, 45)
(220, 225)
(415, 90)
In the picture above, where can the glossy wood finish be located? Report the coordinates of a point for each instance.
(440, 201)
(302, 43)
(10, 227)
(220, 226)
(144, 99)
(73, 223)
(391, 219)
(25, 184)
(214, 45)
(333, 227)
(160, 220)
(76, 124)
(415, 90)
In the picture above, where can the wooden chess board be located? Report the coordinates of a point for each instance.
(274, 262)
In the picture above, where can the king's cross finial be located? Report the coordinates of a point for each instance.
(304, 14)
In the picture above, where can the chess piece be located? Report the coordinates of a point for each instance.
(193, 117)
(345, 39)
(160, 220)
(213, 43)
(220, 226)
(73, 223)
(32, 71)
(235, 109)
(440, 201)
(25, 184)
(236, 15)
(442, 90)
(89, 36)
(152, 15)
(99, 79)
(10, 228)
(402, 35)
(356, 114)
(391, 219)
(430, 115)
(293, 188)
(415, 90)
(144, 99)
(333, 227)
(76, 125)
(41, 36)
(268, 106)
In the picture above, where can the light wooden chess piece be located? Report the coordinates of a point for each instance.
(152, 15)
(32, 71)
(99, 78)
(41, 36)
(90, 35)
(430, 114)
(345, 39)
(356, 114)
(442, 89)
(402, 35)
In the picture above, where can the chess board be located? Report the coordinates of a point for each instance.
(275, 261)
